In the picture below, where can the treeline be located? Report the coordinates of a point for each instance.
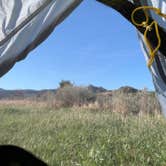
(125, 100)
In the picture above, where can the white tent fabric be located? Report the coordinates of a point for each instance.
(24, 24)
(158, 80)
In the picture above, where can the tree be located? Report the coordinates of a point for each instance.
(65, 83)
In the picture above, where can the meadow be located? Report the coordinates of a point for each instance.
(84, 137)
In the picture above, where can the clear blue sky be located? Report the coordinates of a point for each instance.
(95, 45)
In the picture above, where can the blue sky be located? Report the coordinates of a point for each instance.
(95, 45)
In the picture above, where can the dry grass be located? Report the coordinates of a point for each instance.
(23, 104)
(141, 102)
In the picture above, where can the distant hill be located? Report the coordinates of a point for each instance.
(96, 89)
(25, 94)
(127, 89)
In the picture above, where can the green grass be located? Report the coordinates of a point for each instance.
(69, 137)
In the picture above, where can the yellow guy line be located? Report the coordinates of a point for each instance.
(145, 24)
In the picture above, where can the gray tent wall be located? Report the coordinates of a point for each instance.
(24, 24)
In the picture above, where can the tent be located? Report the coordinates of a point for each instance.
(25, 24)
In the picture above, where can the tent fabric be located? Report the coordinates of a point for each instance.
(158, 68)
(25, 24)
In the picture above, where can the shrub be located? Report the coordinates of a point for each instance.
(104, 101)
(141, 102)
(69, 96)
(63, 84)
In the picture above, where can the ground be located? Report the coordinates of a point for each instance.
(82, 137)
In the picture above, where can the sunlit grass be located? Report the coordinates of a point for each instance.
(72, 137)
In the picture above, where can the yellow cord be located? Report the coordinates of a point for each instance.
(145, 24)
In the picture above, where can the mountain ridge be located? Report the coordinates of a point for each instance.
(29, 93)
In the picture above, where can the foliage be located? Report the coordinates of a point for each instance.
(64, 83)
(70, 96)
(69, 137)
(125, 100)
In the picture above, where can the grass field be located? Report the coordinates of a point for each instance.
(72, 137)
